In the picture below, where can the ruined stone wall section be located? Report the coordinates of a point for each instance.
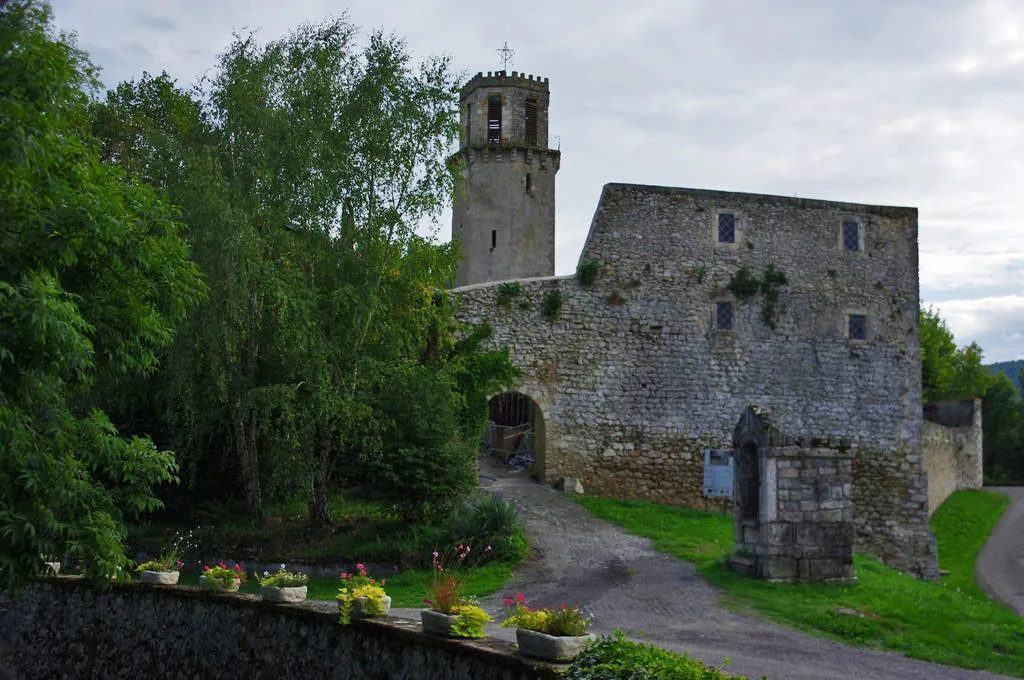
(638, 381)
(952, 454)
(65, 628)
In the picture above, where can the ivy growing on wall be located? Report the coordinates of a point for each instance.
(745, 285)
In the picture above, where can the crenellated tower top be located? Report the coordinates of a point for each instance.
(505, 110)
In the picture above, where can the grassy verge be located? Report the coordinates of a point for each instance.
(406, 588)
(951, 622)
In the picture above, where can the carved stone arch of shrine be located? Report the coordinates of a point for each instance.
(516, 429)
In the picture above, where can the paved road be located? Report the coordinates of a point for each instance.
(1000, 567)
(654, 598)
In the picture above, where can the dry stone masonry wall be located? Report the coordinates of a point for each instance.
(635, 381)
(65, 628)
(952, 449)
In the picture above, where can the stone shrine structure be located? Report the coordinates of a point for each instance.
(778, 332)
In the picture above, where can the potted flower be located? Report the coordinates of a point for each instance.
(361, 596)
(163, 571)
(450, 612)
(548, 634)
(283, 585)
(221, 578)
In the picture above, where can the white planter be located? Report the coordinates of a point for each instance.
(160, 578)
(437, 623)
(283, 594)
(551, 647)
(52, 568)
(215, 585)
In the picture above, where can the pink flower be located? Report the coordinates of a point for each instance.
(520, 597)
(383, 582)
(507, 602)
(238, 568)
(360, 567)
(426, 600)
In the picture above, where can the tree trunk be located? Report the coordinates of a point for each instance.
(248, 459)
(320, 484)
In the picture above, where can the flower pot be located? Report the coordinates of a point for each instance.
(52, 568)
(437, 623)
(360, 604)
(160, 578)
(283, 594)
(219, 586)
(551, 647)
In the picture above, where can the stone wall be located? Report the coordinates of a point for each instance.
(635, 381)
(952, 438)
(65, 628)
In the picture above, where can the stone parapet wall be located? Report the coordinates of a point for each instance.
(952, 445)
(66, 628)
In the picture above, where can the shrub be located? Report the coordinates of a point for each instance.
(445, 591)
(221, 575)
(355, 586)
(471, 621)
(282, 578)
(486, 519)
(564, 621)
(552, 308)
(587, 272)
(615, 658)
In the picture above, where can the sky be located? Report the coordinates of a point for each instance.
(898, 102)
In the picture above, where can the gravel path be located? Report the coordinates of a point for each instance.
(654, 598)
(1000, 568)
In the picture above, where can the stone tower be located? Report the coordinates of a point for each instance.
(504, 212)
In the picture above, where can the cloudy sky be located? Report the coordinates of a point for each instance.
(902, 102)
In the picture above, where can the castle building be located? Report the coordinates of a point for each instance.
(771, 338)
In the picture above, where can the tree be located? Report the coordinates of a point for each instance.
(948, 372)
(93, 279)
(303, 168)
(1003, 426)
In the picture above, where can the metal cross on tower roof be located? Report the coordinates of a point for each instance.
(506, 53)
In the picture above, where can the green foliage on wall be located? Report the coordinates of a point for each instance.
(587, 272)
(508, 292)
(552, 307)
(745, 285)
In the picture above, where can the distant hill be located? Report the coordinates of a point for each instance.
(1010, 368)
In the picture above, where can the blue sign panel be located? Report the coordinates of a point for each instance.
(718, 472)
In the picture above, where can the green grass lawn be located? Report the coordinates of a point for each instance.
(950, 622)
(406, 588)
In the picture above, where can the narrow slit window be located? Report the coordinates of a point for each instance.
(494, 119)
(858, 327)
(469, 121)
(851, 235)
(723, 316)
(531, 122)
(494, 239)
(726, 228)
(529, 184)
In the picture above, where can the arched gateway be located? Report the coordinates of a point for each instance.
(515, 430)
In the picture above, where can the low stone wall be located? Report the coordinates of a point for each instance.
(952, 439)
(67, 628)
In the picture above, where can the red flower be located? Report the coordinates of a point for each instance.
(238, 568)
(206, 568)
(426, 600)
(520, 597)
(507, 602)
